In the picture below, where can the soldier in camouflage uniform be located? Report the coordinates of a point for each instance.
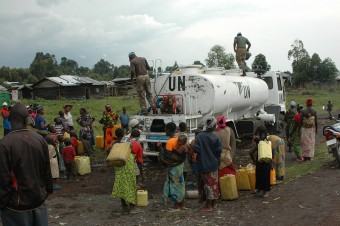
(289, 116)
(139, 67)
(241, 47)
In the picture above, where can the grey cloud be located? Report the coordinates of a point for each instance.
(48, 3)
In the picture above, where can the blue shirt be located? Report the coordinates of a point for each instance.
(39, 119)
(6, 123)
(124, 119)
(209, 149)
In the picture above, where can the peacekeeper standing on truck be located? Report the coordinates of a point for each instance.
(241, 47)
(139, 67)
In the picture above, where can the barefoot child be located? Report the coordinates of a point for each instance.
(68, 154)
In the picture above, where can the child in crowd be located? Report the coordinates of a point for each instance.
(84, 129)
(74, 140)
(88, 151)
(60, 147)
(182, 144)
(194, 168)
(68, 154)
(63, 120)
(183, 132)
(52, 132)
(124, 120)
(53, 160)
(58, 126)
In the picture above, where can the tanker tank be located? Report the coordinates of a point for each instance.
(218, 94)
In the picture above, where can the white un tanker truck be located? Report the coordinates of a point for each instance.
(193, 93)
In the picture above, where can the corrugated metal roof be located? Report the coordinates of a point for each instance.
(89, 80)
(121, 79)
(61, 81)
(72, 80)
(2, 88)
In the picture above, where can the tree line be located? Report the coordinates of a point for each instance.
(310, 69)
(46, 65)
(305, 68)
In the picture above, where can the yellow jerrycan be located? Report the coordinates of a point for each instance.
(142, 198)
(228, 187)
(242, 179)
(100, 142)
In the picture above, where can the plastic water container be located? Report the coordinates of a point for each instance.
(191, 194)
(252, 180)
(242, 179)
(83, 165)
(80, 147)
(99, 141)
(264, 150)
(142, 198)
(228, 187)
(272, 177)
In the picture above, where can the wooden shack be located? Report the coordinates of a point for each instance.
(121, 86)
(69, 87)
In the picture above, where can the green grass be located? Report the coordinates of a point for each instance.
(94, 107)
(319, 96)
(295, 170)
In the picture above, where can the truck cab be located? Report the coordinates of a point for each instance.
(276, 89)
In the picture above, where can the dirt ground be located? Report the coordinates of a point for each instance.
(310, 200)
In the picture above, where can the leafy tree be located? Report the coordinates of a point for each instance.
(327, 71)
(44, 65)
(6, 73)
(68, 66)
(218, 58)
(314, 67)
(298, 51)
(124, 71)
(260, 63)
(16, 77)
(31, 79)
(103, 67)
(83, 70)
(310, 69)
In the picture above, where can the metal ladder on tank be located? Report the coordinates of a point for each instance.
(190, 113)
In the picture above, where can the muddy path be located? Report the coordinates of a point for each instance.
(311, 200)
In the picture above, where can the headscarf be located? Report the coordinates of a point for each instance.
(211, 123)
(309, 102)
(39, 108)
(221, 122)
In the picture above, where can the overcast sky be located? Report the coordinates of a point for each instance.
(177, 30)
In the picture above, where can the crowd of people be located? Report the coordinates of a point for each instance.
(51, 148)
(208, 157)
